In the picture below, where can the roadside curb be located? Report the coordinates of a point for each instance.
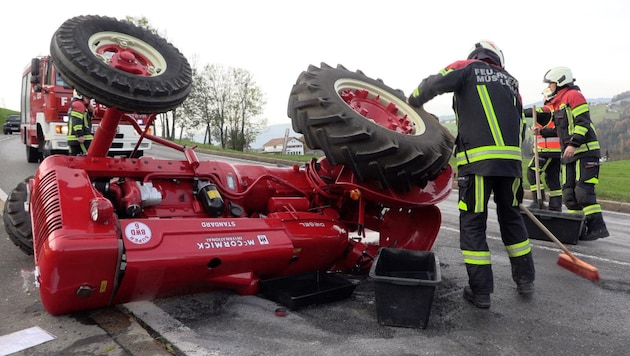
(128, 333)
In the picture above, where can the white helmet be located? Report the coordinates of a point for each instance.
(487, 50)
(559, 75)
(77, 95)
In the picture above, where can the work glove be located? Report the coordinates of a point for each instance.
(527, 112)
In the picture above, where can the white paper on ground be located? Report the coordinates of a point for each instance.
(23, 339)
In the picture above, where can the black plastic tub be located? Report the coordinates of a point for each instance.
(297, 291)
(566, 227)
(405, 283)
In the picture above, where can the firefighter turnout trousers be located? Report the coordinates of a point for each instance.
(578, 190)
(578, 183)
(474, 193)
(549, 168)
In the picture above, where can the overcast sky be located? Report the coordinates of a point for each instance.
(399, 41)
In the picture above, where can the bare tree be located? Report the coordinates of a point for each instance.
(221, 91)
(199, 104)
(249, 100)
(163, 123)
(232, 106)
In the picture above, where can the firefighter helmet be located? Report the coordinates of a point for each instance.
(559, 75)
(487, 50)
(77, 95)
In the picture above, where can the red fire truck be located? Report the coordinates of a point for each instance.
(44, 114)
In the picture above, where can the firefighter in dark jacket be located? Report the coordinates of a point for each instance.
(79, 125)
(549, 151)
(580, 148)
(491, 129)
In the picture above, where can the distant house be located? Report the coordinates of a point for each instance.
(295, 146)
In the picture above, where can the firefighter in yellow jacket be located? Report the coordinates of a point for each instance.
(79, 125)
(490, 131)
(549, 152)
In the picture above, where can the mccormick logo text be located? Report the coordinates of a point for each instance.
(224, 242)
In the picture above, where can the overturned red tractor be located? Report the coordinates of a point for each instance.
(107, 230)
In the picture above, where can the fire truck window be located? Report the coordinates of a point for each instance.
(60, 81)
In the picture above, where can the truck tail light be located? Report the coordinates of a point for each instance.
(61, 129)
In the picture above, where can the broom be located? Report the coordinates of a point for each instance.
(537, 164)
(566, 260)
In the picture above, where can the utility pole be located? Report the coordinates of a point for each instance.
(286, 140)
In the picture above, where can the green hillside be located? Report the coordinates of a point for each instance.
(4, 113)
(599, 112)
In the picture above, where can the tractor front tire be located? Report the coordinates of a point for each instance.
(17, 221)
(120, 64)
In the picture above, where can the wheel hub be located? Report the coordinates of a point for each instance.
(127, 53)
(128, 61)
(381, 112)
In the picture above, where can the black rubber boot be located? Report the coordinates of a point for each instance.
(523, 273)
(481, 301)
(555, 203)
(595, 228)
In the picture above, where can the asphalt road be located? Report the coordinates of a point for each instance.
(567, 315)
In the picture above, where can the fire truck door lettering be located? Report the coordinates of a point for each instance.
(138, 233)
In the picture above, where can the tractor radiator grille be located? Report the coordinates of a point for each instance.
(46, 210)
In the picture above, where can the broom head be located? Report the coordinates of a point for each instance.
(578, 267)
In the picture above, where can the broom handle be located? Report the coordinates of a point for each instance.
(547, 232)
(537, 163)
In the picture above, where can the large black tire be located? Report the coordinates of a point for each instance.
(363, 124)
(93, 54)
(17, 221)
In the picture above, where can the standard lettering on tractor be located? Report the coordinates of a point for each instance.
(218, 224)
(312, 224)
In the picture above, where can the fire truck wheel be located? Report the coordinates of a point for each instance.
(120, 64)
(369, 127)
(17, 221)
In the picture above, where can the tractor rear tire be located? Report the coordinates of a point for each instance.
(17, 221)
(92, 53)
(378, 135)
